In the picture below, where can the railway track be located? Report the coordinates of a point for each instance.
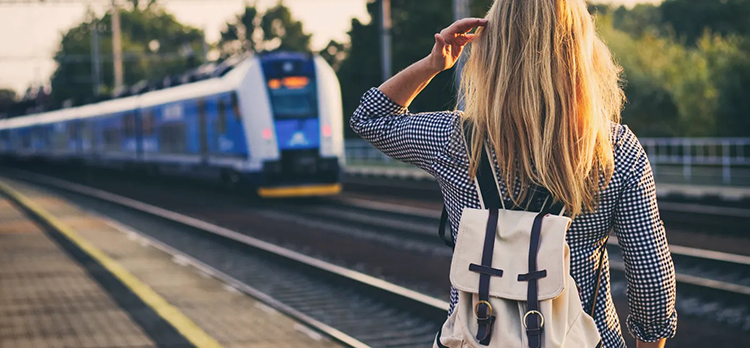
(710, 284)
(708, 281)
(353, 308)
(720, 270)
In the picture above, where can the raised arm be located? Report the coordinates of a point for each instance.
(382, 117)
(449, 44)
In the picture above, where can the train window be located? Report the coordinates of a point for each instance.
(26, 140)
(147, 121)
(236, 107)
(293, 103)
(71, 130)
(172, 138)
(87, 134)
(129, 120)
(112, 139)
(60, 136)
(44, 135)
(36, 136)
(15, 139)
(222, 120)
(201, 109)
(4, 140)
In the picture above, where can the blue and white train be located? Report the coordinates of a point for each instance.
(274, 122)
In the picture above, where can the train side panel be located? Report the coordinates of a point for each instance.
(331, 112)
(257, 120)
(271, 123)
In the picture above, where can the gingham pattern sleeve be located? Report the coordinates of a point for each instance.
(648, 263)
(410, 138)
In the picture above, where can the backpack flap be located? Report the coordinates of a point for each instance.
(511, 253)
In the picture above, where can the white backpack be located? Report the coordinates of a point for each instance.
(512, 272)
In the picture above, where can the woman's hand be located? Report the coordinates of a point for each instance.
(658, 344)
(450, 42)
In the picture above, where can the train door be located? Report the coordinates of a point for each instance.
(138, 134)
(203, 130)
(77, 138)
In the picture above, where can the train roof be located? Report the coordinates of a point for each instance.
(228, 82)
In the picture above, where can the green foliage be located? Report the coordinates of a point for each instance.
(690, 18)
(7, 99)
(675, 89)
(479, 8)
(278, 25)
(414, 24)
(335, 53)
(175, 52)
(729, 61)
(641, 19)
(254, 32)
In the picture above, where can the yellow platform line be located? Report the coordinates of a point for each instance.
(186, 327)
(299, 191)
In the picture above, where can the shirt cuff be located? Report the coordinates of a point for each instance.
(377, 103)
(654, 331)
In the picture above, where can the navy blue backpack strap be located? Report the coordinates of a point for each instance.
(492, 202)
(485, 175)
(448, 240)
(487, 186)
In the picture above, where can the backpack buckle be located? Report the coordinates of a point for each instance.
(488, 310)
(541, 318)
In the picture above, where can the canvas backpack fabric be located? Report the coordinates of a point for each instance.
(512, 272)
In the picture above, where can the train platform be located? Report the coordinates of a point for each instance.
(71, 278)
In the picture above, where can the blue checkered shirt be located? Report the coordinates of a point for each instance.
(433, 141)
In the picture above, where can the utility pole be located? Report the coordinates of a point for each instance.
(385, 34)
(95, 56)
(204, 47)
(117, 47)
(460, 10)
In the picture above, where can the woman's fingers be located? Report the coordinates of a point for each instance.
(465, 25)
(439, 40)
(457, 39)
(456, 33)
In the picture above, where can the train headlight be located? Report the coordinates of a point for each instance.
(267, 134)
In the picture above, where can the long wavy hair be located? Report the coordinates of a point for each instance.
(541, 88)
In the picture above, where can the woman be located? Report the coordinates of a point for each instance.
(542, 91)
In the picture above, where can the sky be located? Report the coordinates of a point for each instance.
(26, 54)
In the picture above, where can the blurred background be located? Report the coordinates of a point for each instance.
(214, 108)
(687, 71)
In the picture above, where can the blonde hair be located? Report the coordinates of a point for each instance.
(543, 90)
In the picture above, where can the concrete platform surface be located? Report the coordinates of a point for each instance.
(50, 298)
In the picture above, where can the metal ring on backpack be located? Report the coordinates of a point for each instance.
(541, 316)
(476, 310)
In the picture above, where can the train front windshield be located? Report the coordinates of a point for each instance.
(293, 97)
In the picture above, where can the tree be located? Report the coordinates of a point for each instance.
(252, 31)
(669, 87)
(334, 53)
(640, 19)
(728, 60)
(414, 24)
(7, 100)
(154, 45)
(673, 88)
(283, 31)
(690, 18)
(239, 36)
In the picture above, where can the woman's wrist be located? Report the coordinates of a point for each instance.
(429, 65)
(404, 86)
(658, 344)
